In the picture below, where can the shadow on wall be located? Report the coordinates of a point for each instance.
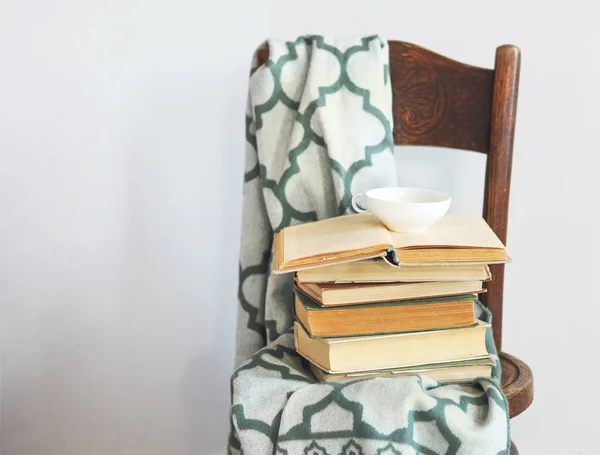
(205, 388)
(181, 265)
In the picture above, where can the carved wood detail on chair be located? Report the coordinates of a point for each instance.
(438, 101)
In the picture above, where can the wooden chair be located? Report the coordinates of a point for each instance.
(444, 103)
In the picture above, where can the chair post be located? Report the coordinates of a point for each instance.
(499, 164)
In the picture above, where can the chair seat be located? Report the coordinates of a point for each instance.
(517, 384)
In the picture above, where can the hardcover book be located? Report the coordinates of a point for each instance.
(329, 295)
(380, 271)
(364, 353)
(388, 317)
(465, 371)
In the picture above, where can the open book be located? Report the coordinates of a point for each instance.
(455, 239)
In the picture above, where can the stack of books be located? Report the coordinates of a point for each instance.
(371, 302)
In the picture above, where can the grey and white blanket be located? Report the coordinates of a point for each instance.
(319, 129)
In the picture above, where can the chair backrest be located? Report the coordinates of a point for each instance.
(444, 103)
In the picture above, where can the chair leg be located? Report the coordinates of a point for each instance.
(513, 449)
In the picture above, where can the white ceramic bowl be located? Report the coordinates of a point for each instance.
(405, 209)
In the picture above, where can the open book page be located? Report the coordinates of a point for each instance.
(452, 231)
(333, 235)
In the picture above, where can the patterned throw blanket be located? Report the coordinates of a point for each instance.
(319, 129)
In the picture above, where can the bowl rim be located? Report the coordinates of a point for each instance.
(443, 197)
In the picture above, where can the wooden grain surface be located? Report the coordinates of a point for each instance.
(517, 383)
(438, 101)
(499, 167)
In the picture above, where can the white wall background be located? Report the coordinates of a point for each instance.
(121, 141)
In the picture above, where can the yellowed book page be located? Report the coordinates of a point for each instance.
(333, 235)
(452, 231)
(343, 294)
(406, 349)
(381, 271)
(442, 375)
